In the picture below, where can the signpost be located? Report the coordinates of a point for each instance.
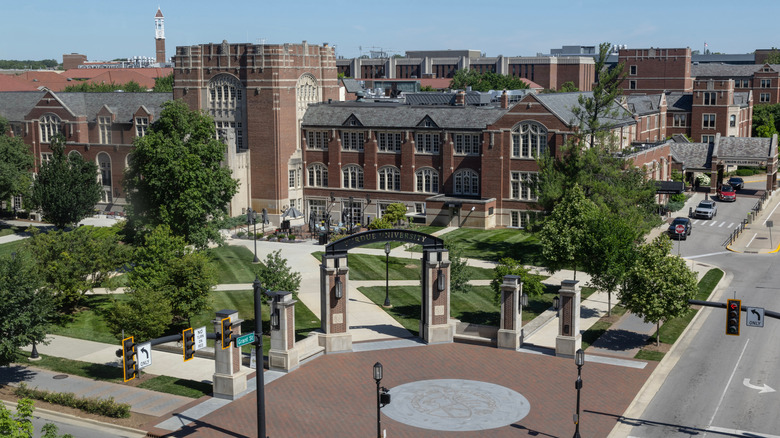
(680, 230)
(200, 338)
(770, 225)
(245, 339)
(754, 316)
(144, 353)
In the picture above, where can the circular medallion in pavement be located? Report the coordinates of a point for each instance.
(456, 405)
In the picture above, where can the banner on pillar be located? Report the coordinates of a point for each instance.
(253, 360)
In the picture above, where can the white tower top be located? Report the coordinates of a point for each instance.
(159, 25)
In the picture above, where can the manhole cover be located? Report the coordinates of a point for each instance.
(60, 376)
(456, 405)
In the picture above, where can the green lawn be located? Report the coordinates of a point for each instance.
(9, 248)
(233, 263)
(496, 244)
(372, 267)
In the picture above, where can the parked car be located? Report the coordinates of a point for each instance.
(706, 209)
(727, 193)
(737, 182)
(685, 223)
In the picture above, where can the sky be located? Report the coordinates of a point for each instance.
(109, 29)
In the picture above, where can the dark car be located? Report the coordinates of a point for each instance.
(686, 230)
(727, 193)
(736, 182)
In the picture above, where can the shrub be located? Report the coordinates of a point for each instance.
(105, 407)
(675, 205)
(240, 234)
(291, 236)
(677, 197)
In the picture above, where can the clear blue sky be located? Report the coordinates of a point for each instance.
(108, 29)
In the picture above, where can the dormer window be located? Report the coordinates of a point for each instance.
(141, 125)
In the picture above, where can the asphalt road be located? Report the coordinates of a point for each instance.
(717, 388)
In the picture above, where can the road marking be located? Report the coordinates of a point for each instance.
(745, 433)
(751, 239)
(731, 224)
(707, 255)
(712, 223)
(763, 389)
(726, 387)
(770, 214)
(721, 225)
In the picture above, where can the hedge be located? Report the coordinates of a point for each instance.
(105, 407)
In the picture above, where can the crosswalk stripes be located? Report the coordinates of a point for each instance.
(712, 223)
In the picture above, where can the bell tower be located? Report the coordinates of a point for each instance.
(159, 36)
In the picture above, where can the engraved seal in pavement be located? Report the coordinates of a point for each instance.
(456, 405)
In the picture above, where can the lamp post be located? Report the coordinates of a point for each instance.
(579, 360)
(251, 219)
(387, 276)
(382, 398)
(258, 294)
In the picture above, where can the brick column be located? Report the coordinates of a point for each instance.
(569, 339)
(333, 310)
(510, 332)
(435, 326)
(229, 379)
(283, 356)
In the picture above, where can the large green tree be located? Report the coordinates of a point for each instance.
(766, 120)
(485, 81)
(66, 188)
(26, 309)
(276, 275)
(16, 163)
(176, 177)
(532, 284)
(658, 286)
(73, 263)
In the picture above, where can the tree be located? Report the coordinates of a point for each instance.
(773, 57)
(163, 84)
(532, 284)
(73, 263)
(16, 163)
(175, 177)
(94, 87)
(21, 426)
(766, 120)
(164, 263)
(568, 87)
(395, 213)
(564, 234)
(145, 315)
(459, 275)
(658, 286)
(485, 81)
(66, 188)
(25, 309)
(275, 275)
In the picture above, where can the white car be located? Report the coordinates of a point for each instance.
(706, 209)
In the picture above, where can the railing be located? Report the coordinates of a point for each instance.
(751, 216)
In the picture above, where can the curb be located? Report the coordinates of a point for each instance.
(47, 414)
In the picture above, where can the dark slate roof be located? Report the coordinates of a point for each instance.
(394, 115)
(694, 155)
(643, 104)
(727, 70)
(123, 105)
(679, 102)
(352, 85)
(741, 98)
(438, 98)
(561, 105)
(14, 105)
(743, 147)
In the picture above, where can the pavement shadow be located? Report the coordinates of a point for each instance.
(194, 425)
(621, 340)
(679, 428)
(587, 312)
(16, 374)
(531, 432)
(385, 329)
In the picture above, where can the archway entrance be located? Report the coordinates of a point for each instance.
(435, 326)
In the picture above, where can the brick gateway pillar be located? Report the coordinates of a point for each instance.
(510, 332)
(435, 326)
(569, 338)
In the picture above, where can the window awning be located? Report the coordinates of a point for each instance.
(669, 187)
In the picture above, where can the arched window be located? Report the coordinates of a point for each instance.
(427, 180)
(318, 175)
(104, 164)
(466, 182)
(74, 153)
(50, 126)
(307, 92)
(226, 105)
(389, 178)
(529, 140)
(352, 177)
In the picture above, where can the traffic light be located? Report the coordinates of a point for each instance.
(733, 308)
(227, 332)
(129, 365)
(188, 343)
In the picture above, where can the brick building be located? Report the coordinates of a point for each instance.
(258, 95)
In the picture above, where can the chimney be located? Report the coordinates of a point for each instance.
(460, 98)
(504, 100)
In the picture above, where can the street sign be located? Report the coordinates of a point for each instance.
(769, 224)
(755, 316)
(200, 338)
(253, 360)
(679, 229)
(245, 339)
(144, 353)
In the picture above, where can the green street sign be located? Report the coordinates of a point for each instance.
(245, 339)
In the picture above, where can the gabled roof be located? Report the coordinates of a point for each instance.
(400, 116)
(742, 98)
(694, 155)
(641, 104)
(727, 70)
(438, 98)
(13, 83)
(562, 104)
(15, 106)
(677, 101)
(743, 147)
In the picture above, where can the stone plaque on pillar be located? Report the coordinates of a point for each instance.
(510, 332)
(334, 296)
(229, 378)
(569, 338)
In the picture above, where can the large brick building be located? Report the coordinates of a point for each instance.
(257, 95)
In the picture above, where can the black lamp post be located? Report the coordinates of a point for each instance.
(251, 219)
(351, 212)
(387, 275)
(579, 360)
(259, 378)
(382, 398)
